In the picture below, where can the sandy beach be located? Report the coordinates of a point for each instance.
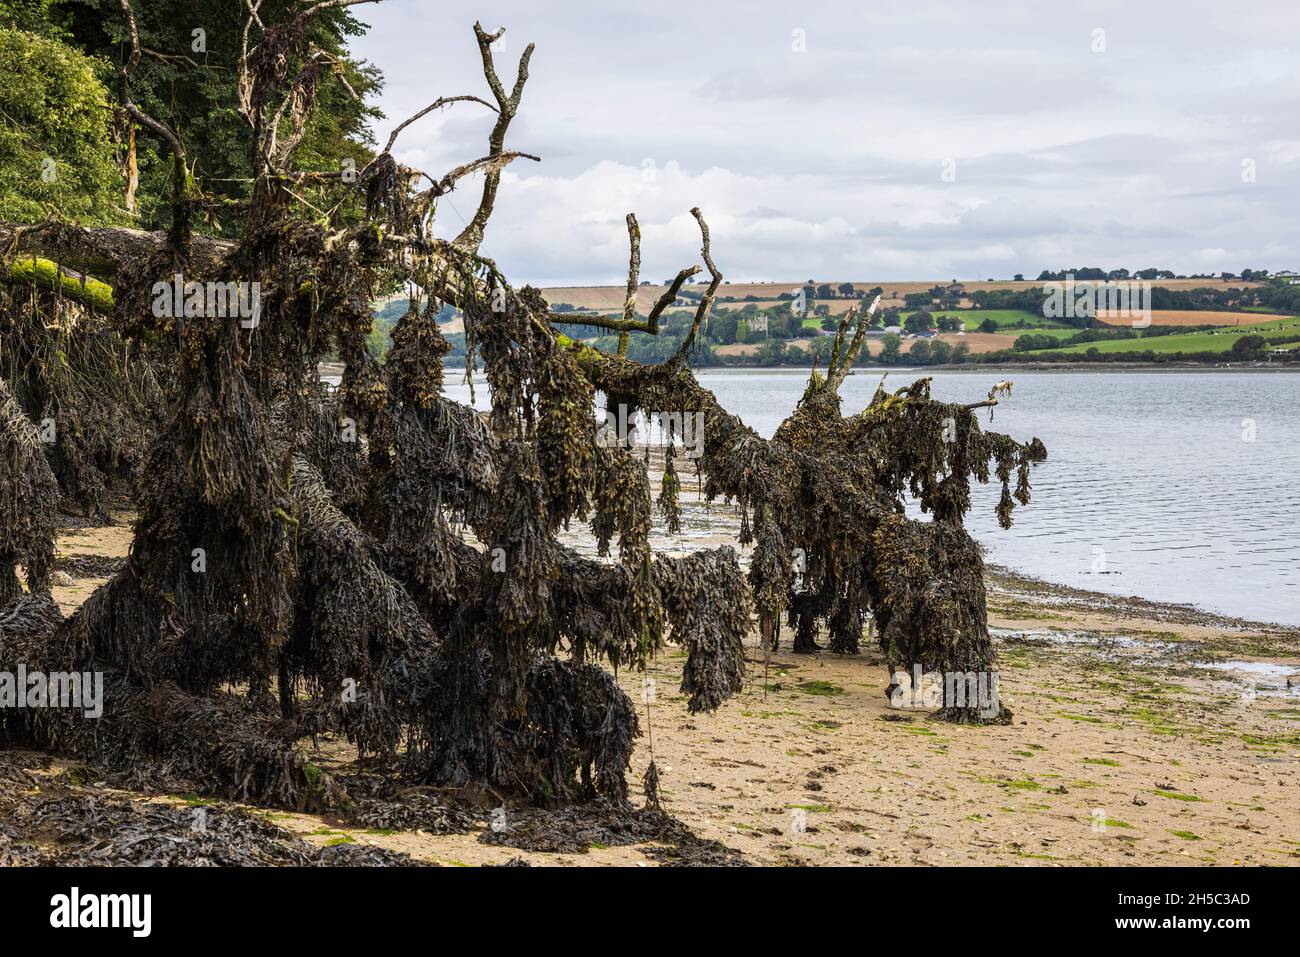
(1142, 734)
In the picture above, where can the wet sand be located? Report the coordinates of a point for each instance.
(1142, 734)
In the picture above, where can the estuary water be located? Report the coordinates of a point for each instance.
(1176, 487)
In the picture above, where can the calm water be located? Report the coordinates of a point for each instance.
(1181, 487)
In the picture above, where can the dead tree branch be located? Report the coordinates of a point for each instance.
(471, 237)
(628, 323)
(706, 303)
(437, 104)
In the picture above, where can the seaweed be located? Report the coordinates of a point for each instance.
(383, 565)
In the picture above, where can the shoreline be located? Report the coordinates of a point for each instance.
(336, 368)
(1143, 733)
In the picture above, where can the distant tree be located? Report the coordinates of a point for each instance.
(1249, 345)
(919, 322)
(950, 324)
(784, 325)
(921, 354)
(722, 327)
(940, 352)
(1028, 342)
(771, 352)
(1019, 277)
(846, 290)
(890, 348)
(988, 325)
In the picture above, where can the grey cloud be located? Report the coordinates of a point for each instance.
(828, 163)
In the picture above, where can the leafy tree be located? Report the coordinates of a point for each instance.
(54, 148)
(1249, 345)
(1031, 341)
(988, 325)
(919, 322)
(723, 325)
(771, 352)
(890, 348)
(188, 80)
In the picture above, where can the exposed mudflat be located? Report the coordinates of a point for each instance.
(1143, 734)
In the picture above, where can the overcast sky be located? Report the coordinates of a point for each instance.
(865, 140)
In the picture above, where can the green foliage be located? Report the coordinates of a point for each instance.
(918, 322)
(191, 85)
(890, 348)
(723, 326)
(1247, 345)
(54, 148)
(34, 16)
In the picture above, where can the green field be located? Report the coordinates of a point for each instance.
(1003, 317)
(1220, 341)
(1056, 332)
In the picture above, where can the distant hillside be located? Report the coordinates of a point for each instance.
(610, 298)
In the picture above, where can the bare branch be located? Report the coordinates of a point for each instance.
(628, 323)
(669, 297)
(633, 278)
(489, 163)
(175, 58)
(706, 303)
(436, 104)
(633, 267)
(124, 90)
(471, 237)
(842, 362)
